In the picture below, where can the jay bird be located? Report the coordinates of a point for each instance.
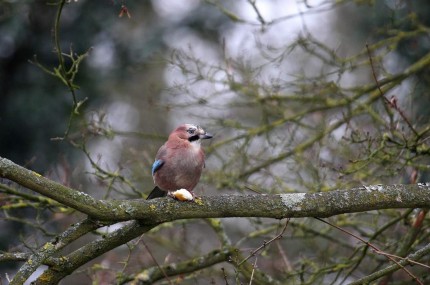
(179, 162)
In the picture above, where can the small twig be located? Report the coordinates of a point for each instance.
(265, 243)
(107, 174)
(59, 52)
(393, 102)
(406, 259)
(253, 190)
(254, 266)
(259, 16)
(224, 275)
(375, 249)
(155, 261)
(284, 257)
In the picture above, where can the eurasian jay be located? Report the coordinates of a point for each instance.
(179, 162)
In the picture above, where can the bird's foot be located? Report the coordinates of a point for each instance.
(182, 195)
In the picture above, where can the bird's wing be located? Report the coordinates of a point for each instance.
(157, 165)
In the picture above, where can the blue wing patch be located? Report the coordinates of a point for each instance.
(157, 165)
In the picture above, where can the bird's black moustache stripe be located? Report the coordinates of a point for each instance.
(193, 138)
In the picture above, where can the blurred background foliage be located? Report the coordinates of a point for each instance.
(286, 86)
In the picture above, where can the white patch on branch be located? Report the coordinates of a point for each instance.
(371, 188)
(293, 201)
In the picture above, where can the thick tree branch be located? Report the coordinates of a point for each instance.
(24, 256)
(67, 196)
(79, 257)
(321, 204)
(53, 246)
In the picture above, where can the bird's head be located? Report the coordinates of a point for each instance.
(191, 133)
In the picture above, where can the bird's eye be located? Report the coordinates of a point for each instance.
(191, 131)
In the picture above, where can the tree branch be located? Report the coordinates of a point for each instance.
(321, 204)
(153, 274)
(414, 256)
(49, 248)
(88, 252)
(36, 182)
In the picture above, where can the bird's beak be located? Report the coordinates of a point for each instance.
(204, 135)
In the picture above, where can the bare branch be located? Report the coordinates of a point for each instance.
(322, 204)
(415, 256)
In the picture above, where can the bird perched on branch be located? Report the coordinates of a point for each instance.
(179, 162)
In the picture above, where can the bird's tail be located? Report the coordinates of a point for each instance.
(156, 193)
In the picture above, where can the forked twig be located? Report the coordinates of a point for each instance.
(265, 243)
(393, 102)
(375, 249)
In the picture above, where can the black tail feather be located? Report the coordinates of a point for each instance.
(156, 193)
